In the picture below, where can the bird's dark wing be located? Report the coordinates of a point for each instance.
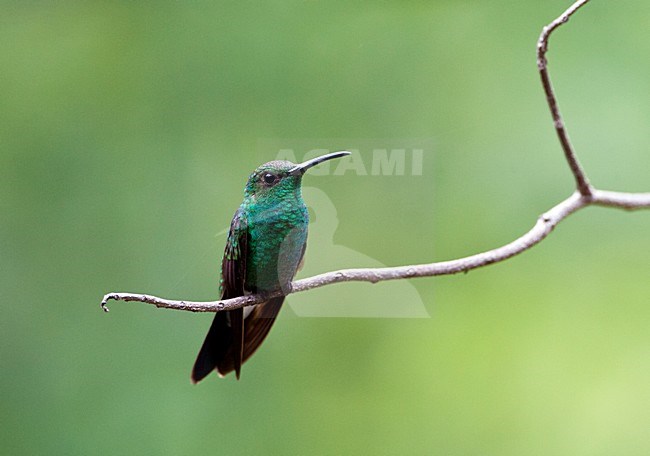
(233, 339)
(258, 324)
(224, 342)
(256, 327)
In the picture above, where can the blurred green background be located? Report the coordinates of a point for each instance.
(128, 129)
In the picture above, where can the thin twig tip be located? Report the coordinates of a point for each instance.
(104, 302)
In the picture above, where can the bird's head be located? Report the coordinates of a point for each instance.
(279, 179)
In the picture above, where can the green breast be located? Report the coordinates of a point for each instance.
(277, 239)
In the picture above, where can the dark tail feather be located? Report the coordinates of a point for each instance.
(214, 347)
(219, 350)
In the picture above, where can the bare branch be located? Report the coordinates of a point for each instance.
(584, 187)
(545, 224)
(629, 201)
(584, 196)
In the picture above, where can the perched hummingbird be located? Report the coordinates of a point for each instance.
(265, 247)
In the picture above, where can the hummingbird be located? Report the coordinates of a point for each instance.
(265, 248)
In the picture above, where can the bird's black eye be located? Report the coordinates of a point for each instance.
(269, 178)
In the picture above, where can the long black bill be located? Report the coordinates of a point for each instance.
(300, 169)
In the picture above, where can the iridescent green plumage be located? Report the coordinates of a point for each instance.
(265, 246)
